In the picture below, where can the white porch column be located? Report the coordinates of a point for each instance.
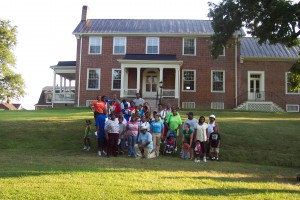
(65, 86)
(161, 74)
(177, 82)
(122, 82)
(60, 89)
(138, 78)
(53, 90)
(70, 86)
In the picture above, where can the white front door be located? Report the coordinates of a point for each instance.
(255, 87)
(150, 83)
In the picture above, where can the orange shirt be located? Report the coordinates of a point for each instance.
(98, 106)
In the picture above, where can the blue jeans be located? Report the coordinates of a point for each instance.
(132, 141)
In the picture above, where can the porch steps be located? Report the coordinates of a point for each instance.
(153, 104)
(259, 106)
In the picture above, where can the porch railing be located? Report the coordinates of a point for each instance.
(64, 97)
(166, 93)
(261, 96)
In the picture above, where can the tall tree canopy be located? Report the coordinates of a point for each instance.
(275, 21)
(11, 83)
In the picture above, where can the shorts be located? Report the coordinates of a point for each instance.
(214, 149)
(87, 136)
(203, 147)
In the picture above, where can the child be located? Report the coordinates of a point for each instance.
(87, 135)
(170, 145)
(214, 141)
(198, 150)
(186, 150)
(122, 130)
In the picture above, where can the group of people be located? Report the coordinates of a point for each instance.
(131, 126)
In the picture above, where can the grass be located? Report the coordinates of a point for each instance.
(41, 158)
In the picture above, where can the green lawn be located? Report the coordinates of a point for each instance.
(41, 158)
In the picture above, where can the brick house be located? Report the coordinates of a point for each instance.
(170, 59)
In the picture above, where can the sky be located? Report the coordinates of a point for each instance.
(45, 30)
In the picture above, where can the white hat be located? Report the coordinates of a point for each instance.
(143, 127)
(212, 116)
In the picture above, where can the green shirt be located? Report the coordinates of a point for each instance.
(174, 121)
(187, 135)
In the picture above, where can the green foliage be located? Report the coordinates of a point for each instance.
(11, 83)
(276, 21)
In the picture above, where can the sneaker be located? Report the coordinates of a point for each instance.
(195, 160)
(104, 153)
(213, 158)
(204, 159)
(88, 149)
(138, 157)
(99, 153)
(217, 159)
(85, 148)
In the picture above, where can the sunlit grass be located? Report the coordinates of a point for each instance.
(41, 158)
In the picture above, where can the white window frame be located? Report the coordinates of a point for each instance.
(286, 86)
(122, 40)
(195, 45)
(92, 40)
(296, 105)
(87, 78)
(112, 79)
(224, 52)
(147, 44)
(47, 94)
(186, 90)
(212, 80)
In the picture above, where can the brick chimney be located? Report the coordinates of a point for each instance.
(84, 15)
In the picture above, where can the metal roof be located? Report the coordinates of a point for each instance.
(251, 48)
(145, 26)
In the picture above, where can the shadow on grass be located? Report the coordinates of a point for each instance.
(219, 192)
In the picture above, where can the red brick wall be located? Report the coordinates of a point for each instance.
(202, 63)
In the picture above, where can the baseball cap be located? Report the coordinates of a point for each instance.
(143, 127)
(190, 113)
(212, 116)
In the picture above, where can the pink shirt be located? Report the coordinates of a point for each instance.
(133, 128)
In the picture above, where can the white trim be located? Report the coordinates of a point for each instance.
(87, 78)
(224, 52)
(145, 73)
(95, 37)
(195, 47)
(157, 44)
(262, 81)
(211, 81)
(295, 105)
(125, 40)
(88, 102)
(112, 78)
(182, 78)
(286, 87)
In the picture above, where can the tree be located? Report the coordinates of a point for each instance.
(275, 21)
(11, 83)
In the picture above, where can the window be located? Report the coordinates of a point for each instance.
(119, 45)
(223, 52)
(217, 81)
(152, 45)
(289, 83)
(95, 44)
(93, 79)
(189, 46)
(188, 77)
(116, 79)
(48, 98)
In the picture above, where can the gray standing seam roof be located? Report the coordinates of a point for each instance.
(251, 48)
(145, 26)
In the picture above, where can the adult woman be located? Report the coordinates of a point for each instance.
(133, 128)
(112, 135)
(156, 130)
(188, 137)
(201, 134)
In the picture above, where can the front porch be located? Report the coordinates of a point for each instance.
(64, 90)
(153, 76)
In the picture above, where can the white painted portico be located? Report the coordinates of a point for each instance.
(150, 66)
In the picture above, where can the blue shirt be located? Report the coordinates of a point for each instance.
(157, 126)
(144, 138)
(100, 121)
